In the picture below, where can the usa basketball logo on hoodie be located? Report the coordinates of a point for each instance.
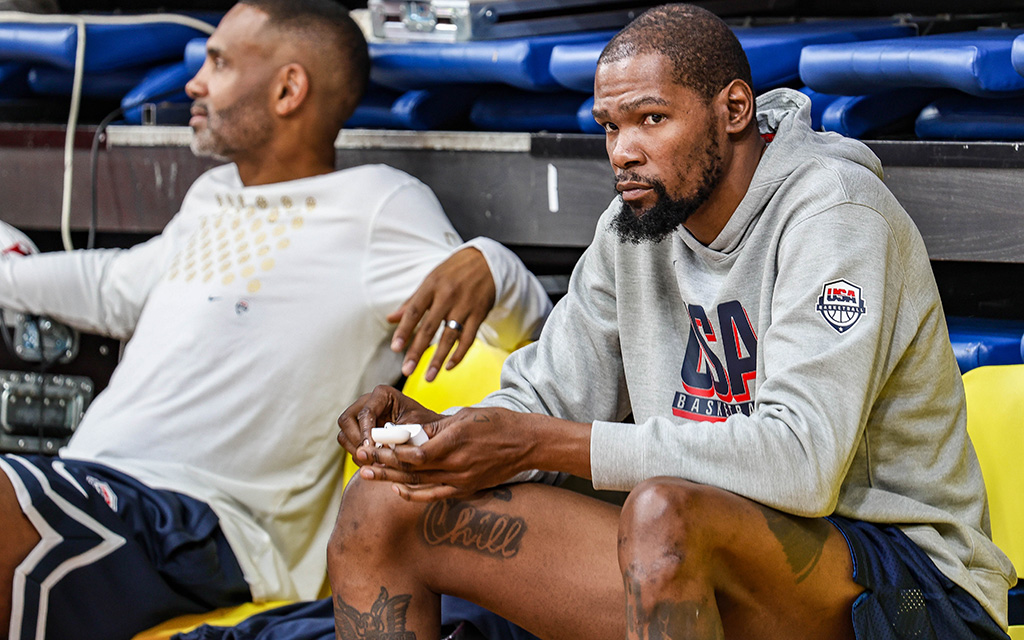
(840, 304)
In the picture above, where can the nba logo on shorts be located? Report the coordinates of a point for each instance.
(105, 492)
(840, 304)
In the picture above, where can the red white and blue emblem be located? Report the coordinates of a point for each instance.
(104, 490)
(840, 304)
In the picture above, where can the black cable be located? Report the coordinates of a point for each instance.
(46, 361)
(94, 156)
(93, 159)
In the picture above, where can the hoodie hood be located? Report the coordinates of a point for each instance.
(784, 120)
(786, 114)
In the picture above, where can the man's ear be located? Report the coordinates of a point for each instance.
(291, 88)
(739, 104)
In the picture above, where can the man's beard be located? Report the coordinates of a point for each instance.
(667, 213)
(204, 146)
(231, 130)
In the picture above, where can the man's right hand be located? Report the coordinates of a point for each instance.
(383, 404)
(460, 289)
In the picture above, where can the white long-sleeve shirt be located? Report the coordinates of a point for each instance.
(254, 319)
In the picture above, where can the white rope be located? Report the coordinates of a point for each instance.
(76, 89)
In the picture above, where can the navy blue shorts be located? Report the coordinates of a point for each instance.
(115, 556)
(905, 595)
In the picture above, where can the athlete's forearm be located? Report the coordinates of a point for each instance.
(557, 444)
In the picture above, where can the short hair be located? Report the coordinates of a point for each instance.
(329, 30)
(704, 51)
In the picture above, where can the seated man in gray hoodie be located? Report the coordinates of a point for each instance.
(797, 462)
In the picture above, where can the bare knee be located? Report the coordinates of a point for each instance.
(665, 532)
(373, 526)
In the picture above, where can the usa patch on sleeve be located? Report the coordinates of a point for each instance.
(840, 304)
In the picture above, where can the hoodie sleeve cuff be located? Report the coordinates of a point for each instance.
(616, 456)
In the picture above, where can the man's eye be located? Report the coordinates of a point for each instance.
(654, 118)
(609, 127)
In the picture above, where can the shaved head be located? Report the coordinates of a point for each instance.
(703, 50)
(329, 44)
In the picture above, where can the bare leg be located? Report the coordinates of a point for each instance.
(699, 562)
(20, 537)
(539, 556)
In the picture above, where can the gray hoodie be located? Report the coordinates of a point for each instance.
(800, 360)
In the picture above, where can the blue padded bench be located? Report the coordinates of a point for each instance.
(773, 51)
(419, 109)
(51, 81)
(979, 341)
(165, 83)
(519, 62)
(195, 54)
(976, 62)
(510, 110)
(858, 116)
(962, 117)
(1017, 54)
(108, 47)
(585, 117)
(128, 60)
(13, 80)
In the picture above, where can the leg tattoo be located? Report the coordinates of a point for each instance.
(386, 620)
(460, 524)
(803, 545)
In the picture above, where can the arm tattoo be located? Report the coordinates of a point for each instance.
(802, 539)
(460, 524)
(386, 620)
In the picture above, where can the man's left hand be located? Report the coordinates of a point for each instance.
(459, 292)
(475, 449)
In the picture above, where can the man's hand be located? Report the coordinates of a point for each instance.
(383, 404)
(478, 448)
(461, 289)
(472, 450)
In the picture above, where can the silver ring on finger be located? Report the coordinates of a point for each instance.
(454, 325)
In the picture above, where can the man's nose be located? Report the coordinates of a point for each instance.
(196, 87)
(624, 152)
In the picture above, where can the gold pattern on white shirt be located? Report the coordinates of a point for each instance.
(211, 251)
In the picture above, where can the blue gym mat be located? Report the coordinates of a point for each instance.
(773, 51)
(962, 117)
(1017, 54)
(860, 116)
(51, 81)
(195, 54)
(519, 62)
(585, 118)
(13, 80)
(107, 47)
(163, 84)
(419, 109)
(510, 110)
(978, 341)
(976, 62)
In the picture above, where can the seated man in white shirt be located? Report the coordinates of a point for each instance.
(206, 472)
